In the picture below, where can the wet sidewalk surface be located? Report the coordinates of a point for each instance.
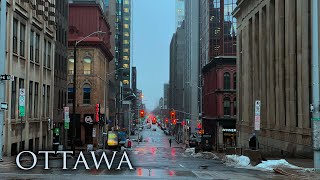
(151, 159)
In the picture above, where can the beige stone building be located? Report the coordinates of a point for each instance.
(274, 61)
(29, 57)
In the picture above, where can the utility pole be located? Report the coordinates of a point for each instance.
(2, 65)
(315, 85)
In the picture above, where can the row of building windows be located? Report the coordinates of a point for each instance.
(33, 98)
(87, 63)
(19, 44)
(226, 81)
(86, 94)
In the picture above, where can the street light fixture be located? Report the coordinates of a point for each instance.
(75, 87)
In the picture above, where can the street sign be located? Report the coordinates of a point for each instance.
(66, 125)
(56, 131)
(4, 106)
(257, 115)
(66, 114)
(5, 77)
(22, 103)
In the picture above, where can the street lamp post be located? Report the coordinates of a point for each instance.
(75, 87)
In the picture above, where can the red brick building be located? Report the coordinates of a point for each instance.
(219, 100)
(93, 57)
(218, 66)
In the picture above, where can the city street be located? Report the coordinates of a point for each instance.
(151, 159)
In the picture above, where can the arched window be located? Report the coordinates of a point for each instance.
(87, 65)
(235, 81)
(234, 106)
(71, 65)
(86, 94)
(226, 106)
(226, 77)
(70, 93)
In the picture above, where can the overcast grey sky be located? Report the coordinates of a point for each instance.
(153, 23)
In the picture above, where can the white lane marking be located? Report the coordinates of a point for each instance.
(181, 165)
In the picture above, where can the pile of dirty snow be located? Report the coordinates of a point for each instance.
(205, 155)
(235, 160)
(271, 164)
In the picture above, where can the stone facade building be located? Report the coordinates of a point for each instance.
(274, 61)
(29, 57)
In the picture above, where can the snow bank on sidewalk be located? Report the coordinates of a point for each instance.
(205, 155)
(190, 150)
(271, 164)
(235, 160)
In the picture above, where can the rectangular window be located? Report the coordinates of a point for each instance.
(43, 100)
(44, 53)
(37, 53)
(86, 95)
(21, 83)
(13, 98)
(22, 39)
(31, 45)
(70, 95)
(49, 55)
(36, 99)
(30, 97)
(48, 100)
(15, 36)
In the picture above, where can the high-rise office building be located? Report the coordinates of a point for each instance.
(180, 12)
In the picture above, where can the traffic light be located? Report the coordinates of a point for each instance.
(174, 122)
(173, 115)
(141, 113)
(97, 112)
(167, 120)
(154, 120)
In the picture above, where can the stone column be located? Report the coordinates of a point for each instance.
(271, 60)
(300, 96)
(292, 61)
(281, 61)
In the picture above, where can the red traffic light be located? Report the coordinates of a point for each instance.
(174, 121)
(173, 114)
(167, 120)
(141, 113)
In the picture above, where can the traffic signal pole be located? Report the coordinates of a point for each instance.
(2, 66)
(315, 85)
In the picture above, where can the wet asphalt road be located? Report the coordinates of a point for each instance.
(151, 159)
